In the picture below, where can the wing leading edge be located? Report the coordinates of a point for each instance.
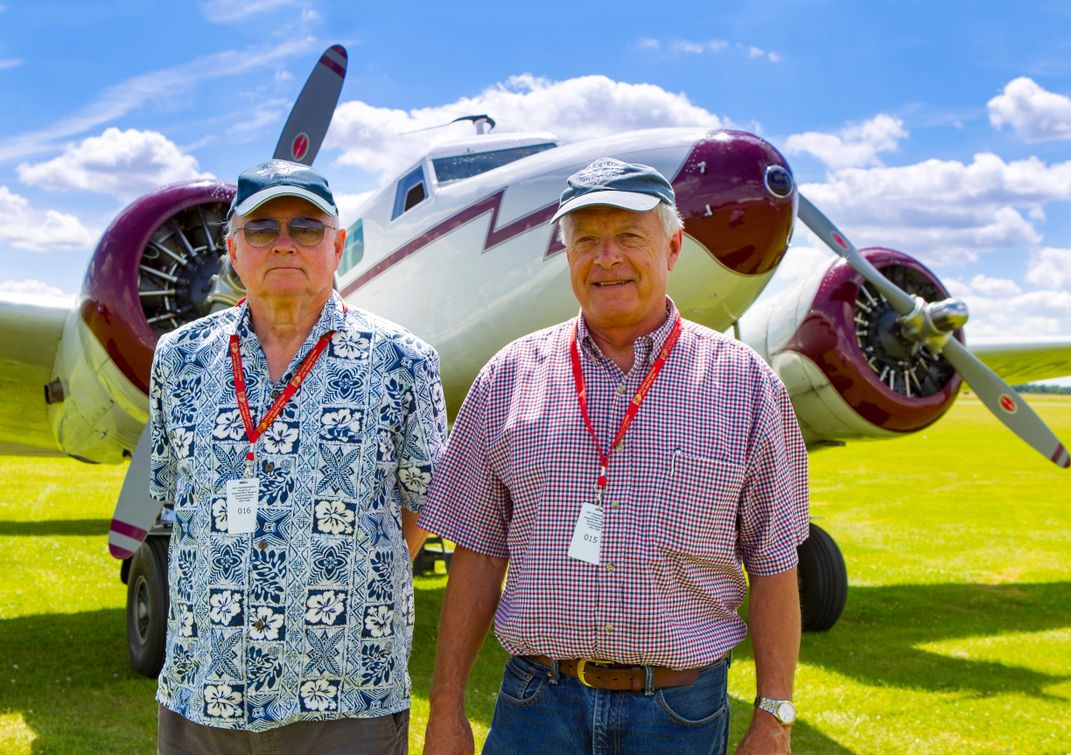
(1020, 362)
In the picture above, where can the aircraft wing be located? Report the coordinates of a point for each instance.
(29, 337)
(1020, 361)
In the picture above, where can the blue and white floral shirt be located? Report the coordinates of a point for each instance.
(309, 617)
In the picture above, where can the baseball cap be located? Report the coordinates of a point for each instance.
(630, 186)
(281, 178)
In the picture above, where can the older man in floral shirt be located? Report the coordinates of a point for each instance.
(296, 438)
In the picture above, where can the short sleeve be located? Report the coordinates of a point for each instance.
(423, 434)
(775, 507)
(162, 457)
(468, 503)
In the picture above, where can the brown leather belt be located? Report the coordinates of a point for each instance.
(615, 677)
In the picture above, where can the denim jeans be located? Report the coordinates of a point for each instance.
(537, 713)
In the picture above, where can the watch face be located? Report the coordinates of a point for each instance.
(786, 711)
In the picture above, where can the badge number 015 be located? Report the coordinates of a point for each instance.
(587, 536)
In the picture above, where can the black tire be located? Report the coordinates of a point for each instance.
(147, 606)
(823, 581)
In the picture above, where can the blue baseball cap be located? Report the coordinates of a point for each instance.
(281, 178)
(630, 186)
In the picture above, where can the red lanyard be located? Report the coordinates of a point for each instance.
(254, 433)
(633, 407)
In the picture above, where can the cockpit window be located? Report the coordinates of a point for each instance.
(456, 167)
(411, 191)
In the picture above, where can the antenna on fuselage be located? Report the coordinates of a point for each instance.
(483, 122)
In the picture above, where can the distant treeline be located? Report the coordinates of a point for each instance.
(1043, 388)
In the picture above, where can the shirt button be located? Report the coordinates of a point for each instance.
(615, 504)
(621, 388)
(262, 544)
(609, 566)
(609, 627)
(275, 393)
(258, 624)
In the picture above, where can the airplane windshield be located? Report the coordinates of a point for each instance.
(456, 167)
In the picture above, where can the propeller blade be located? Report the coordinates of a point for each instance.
(1007, 405)
(832, 237)
(307, 125)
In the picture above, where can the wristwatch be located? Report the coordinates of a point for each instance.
(783, 710)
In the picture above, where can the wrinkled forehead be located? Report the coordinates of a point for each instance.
(607, 215)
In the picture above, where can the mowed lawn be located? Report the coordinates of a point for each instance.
(956, 636)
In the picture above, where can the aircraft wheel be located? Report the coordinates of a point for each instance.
(823, 581)
(146, 606)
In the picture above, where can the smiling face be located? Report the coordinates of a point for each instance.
(619, 263)
(284, 268)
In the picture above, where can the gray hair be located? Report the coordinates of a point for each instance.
(668, 214)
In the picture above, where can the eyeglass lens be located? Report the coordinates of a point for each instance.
(305, 231)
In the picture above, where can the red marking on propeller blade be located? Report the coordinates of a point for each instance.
(840, 241)
(118, 552)
(128, 529)
(300, 145)
(1007, 403)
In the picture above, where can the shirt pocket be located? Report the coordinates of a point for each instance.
(697, 506)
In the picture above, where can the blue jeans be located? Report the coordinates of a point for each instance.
(538, 713)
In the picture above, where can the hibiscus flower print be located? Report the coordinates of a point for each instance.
(181, 440)
(318, 694)
(219, 514)
(340, 424)
(223, 701)
(324, 607)
(377, 621)
(334, 518)
(280, 438)
(229, 426)
(265, 624)
(224, 605)
(350, 345)
(186, 623)
(414, 479)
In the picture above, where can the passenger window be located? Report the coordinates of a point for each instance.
(411, 192)
(354, 249)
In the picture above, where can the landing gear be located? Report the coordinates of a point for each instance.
(146, 606)
(823, 581)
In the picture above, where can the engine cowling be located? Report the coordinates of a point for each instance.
(152, 271)
(836, 344)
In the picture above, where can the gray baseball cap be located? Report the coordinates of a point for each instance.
(610, 182)
(281, 178)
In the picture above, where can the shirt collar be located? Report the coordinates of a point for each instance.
(644, 347)
(332, 317)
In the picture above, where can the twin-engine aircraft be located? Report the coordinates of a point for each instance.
(460, 249)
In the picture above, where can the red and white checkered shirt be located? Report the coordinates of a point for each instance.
(711, 474)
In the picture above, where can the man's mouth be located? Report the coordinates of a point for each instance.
(603, 284)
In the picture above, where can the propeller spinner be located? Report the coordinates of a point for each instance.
(927, 328)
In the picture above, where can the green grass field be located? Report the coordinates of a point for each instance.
(956, 637)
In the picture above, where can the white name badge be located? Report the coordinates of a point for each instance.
(587, 535)
(242, 498)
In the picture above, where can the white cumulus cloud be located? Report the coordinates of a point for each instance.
(1033, 113)
(943, 211)
(585, 107)
(124, 163)
(1050, 267)
(32, 291)
(24, 227)
(855, 145)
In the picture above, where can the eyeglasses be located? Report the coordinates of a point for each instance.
(305, 231)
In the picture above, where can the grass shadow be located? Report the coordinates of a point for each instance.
(877, 639)
(47, 527)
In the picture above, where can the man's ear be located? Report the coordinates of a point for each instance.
(675, 243)
(340, 245)
(230, 249)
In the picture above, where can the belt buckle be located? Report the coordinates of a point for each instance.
(580, 671)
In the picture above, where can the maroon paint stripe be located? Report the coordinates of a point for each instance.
(490, 203)
(1059, 456)
(124, 528)
(329, 63)
(118, 552)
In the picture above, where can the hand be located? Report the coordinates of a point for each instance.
(448, 733)
(765, 735)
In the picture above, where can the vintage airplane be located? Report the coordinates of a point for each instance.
(461, 250)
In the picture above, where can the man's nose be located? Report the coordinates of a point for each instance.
(608, 254)
(284, 243)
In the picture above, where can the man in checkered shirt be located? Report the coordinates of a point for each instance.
(625, 465)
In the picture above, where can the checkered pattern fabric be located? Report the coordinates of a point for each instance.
(711, 475)
(309, 617)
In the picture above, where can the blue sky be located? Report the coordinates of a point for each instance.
(942, 129)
